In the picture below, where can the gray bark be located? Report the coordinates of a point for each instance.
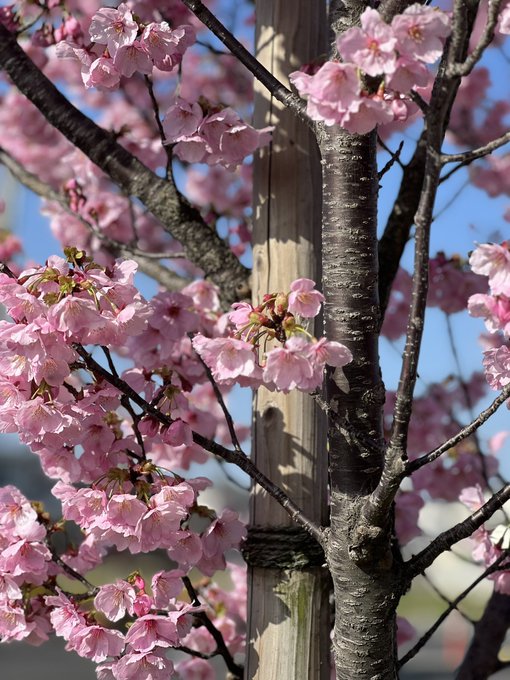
(365, 586)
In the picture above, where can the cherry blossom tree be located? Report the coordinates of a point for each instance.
(133, 123)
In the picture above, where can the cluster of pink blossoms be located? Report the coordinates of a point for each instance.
(122, 46)
(205, 134)
(25, 564)
(493, 261)
(395, 55)
(298, 361)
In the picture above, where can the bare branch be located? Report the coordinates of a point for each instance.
(394, 158)
(221, 647)
(274, 86)
(417, 564)
(389, 8)
(468, 156)
(446, 599)
(398, 227)
(203, 246)
(462, 434)
(464, 68)
(453, 605)
(481, 658)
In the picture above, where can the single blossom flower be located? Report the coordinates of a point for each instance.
(304, 299)
(371, 47)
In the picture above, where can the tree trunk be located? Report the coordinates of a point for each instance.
(365, 586)
(289, 619)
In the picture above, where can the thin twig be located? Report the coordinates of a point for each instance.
(223, 406)
(91, 589)
(446, 599)
(394, 158)
(467, 399)
(127, 405)
(221, 647)
(168, 149)
(453, 605)
(462, 434)
(468, 156)
(418, 563)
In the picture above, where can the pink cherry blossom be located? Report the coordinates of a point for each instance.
(187, 549)
(408, 74)
(371, 47)
(131, 58)
(495, 310)
(182, 119)
(227, 358)
(157, 527)
(166, 585)
(195, 669)
(497, 367)
(135, 666)
(151, 631)
(28, 559)
(288, 367)
(304, 299)
(113, 27)
(504, 20)
(223, 533)
(13, 623)
(472, 497)
(65, 615)
(420, 32)
(332, 91)
(165, 46)
(115, 599)
(366, 113)
(101, 73)
(493, 260)
(97, 643)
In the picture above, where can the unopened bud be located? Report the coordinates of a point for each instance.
(281, 304)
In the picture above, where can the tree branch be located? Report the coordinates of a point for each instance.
(378, 505)
(274, 86)
(453, 605)
(238, 458)
(202, 245)
(146, 261)
(481, 659)
(398, 227)
(418, 563)
(221, 647)
(468, 156)
(462, 434)
(459, 69)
